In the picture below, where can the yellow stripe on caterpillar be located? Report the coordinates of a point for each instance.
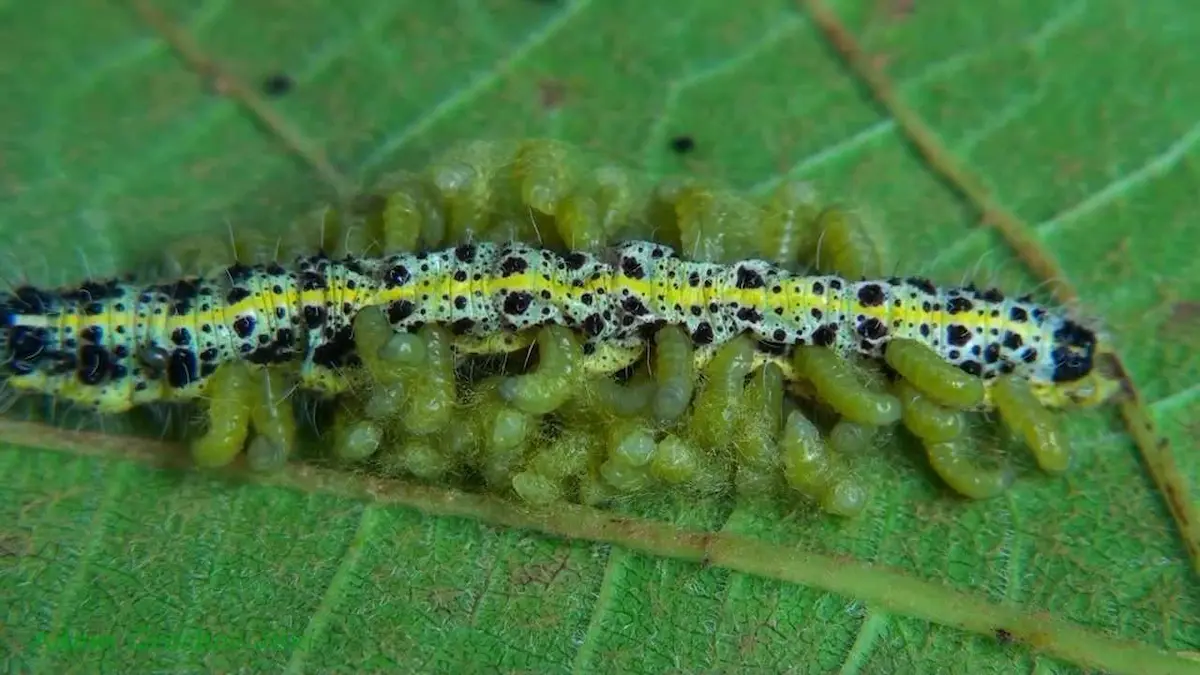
(113, 345)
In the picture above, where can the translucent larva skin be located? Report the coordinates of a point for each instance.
(553, 379)
(810, 468)
(718, 402)
(228, 417)
(536, 489)
(630, 443)
(926, 418)
(543, 171)
(846, 246)
(566, 456)
(758, 467)
(400, 223)
(1028, 419)
(702, 212)
(787, 223)
(493, 436)
(935, 378)
(952, 462)
(761, 418)
(432, 402)
(674, 372)
(418, 457)
(274, 422)
(406, 211)
(838, 386)
(509, 428)
(675, 461)
(355, 439)
(622, 477)
(622, 400)
(579, 223)
(630, 448)
(404, 350)
(465, 180)
(848, 438)
(499, 465)
(599, 210)
(371, 332)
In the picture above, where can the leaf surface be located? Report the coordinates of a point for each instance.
(1080, 115)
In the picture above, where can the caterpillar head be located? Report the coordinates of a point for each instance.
(24, 359)
(1086, 371)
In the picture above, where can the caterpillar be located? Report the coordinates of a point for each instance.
(114, 346)
(385, 327)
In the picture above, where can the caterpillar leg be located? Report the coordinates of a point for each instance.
(610, 357)
(231, 398)
(501, 343)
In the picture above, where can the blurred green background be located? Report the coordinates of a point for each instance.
(1083, 116)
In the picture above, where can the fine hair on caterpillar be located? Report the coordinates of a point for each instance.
(723, 356)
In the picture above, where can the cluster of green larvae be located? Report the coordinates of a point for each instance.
(526, 415)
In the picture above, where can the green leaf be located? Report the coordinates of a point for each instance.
(1080, 115)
